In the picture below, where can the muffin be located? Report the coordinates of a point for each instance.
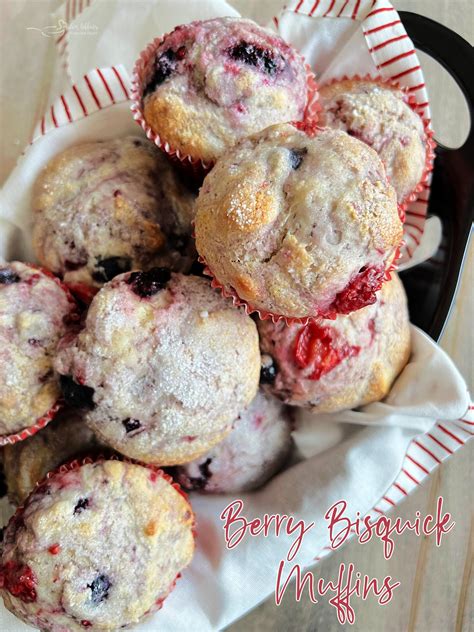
(254, 450)
(35, 312)
(379, 115)
(97, 546)
(103, 208)
(296, 226)
(208, 84)
(28, 462)
(330, 366)
(163, 366)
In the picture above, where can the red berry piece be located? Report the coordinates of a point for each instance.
(360, 292)
(19, 580)
(318, 347)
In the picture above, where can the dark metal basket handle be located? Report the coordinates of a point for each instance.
(451, 51)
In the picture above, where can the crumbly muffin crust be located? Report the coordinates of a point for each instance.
(103, 208)
(97, 547)
(334, 365)
(299, 226)
(27, 462)
(34, 313)
(379, 115)
(164, 365)
(217, 81)
(254, 450)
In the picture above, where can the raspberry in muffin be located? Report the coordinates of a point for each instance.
(296, 226)
(163, 366)
(35, 312)
(330, 366)
(379, 115)
(97, 546)
(210, 83)
(27, 462)
(107, 207)
(254, 450)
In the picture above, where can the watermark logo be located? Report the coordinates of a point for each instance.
(61, 27)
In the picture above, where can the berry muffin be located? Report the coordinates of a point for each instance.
(296, 226)
(330, 366)
(254, 450)
(379, 115)
(103, 208)
(97, 546)
(35, 312)
(163, 366)
(28, 462)
(208, 84)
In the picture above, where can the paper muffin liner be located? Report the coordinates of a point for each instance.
(44, 420)
(77, 462)
(21, 435)
(195, 167)
(289, 320)
(430, 143)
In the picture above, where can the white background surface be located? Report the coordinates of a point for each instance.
(436, 590)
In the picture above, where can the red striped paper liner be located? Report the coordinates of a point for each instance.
(424, 454)
(430, 144)
(289, 320)
(21, 435)
(394, 56)
(192, 165)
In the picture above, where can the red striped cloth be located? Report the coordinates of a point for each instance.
(425, 453)
(100, 88)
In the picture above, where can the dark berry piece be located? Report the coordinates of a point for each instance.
(165, 67)
(261, 58)
(108, 268)
(99, 589)
(81, 504)
(296, 157)
(268, 372)
(131, 424)
(178, 242)
(145, 284)
(7, 276)
(78, 395)
(197, 269)
(73, 265)
(201, 481)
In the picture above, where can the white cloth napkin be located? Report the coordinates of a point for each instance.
(357, 460)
